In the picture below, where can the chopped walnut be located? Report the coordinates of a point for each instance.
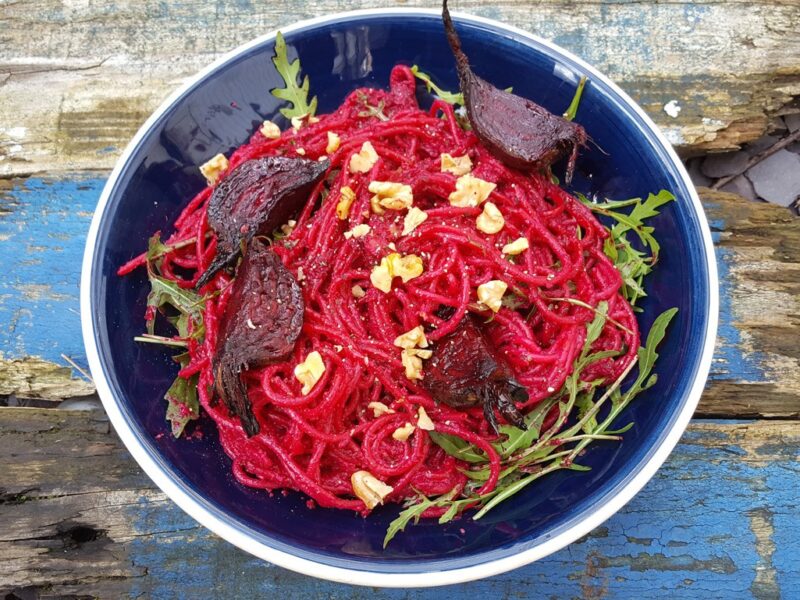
(270, 131)
(379, 408)
(333, 143)
(288, 227)
(346, 197)
(297, 122)
(310, 371)
(470, 191)
(391, 195)
(414, 218)
(491, 293)
(371, 490)
(364, 160)
(490, 220)
(457, 165)
(401, 434)
(358, 231)
(213, 168)
(423, 420)
(394, 265)
(412, 361)
(412, 339)
(516, 247)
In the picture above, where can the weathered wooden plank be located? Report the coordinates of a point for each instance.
(77, 517)
(757, 358)
(756, 370)
(43, 227)
(106, 66)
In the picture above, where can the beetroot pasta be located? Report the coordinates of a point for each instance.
(421, 323)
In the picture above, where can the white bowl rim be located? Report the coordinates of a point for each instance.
(304, 566)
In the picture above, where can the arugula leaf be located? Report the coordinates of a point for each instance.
(372, 111)
(577, 467)
(182, 403)
(451, 512)
(647, 355)
(404, 518)
(528, 455)
(521, 439)
(584, 404)
(583, 304)
(161, 340)
(165, 292)
(449, 97)
(595, 328)
(645, 210)
(457, 447)
(183, 309)
(506, 493)
(632, 263)
(569, 115)
(619, 431)
(415, 512)
(296, 94)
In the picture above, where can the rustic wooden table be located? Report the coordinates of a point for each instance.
(78, 518)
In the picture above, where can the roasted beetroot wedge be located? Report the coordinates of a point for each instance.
(518, 131)
(258, 197)
(463, 372)
(262, 322)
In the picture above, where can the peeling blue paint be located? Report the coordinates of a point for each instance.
(43, 226)
(730, 360)
(677, 534)
(694, 13)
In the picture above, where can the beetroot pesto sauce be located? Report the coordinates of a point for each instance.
(392, 304)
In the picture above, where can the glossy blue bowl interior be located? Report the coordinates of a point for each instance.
(220, 112)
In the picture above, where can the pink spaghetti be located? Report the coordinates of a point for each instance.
(315, 442)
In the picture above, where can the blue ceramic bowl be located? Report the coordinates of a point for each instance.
(217, 111)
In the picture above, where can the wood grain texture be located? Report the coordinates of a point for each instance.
(757, 358)
(77, 79)
(756, 368)
(43, 227)
(77, 517)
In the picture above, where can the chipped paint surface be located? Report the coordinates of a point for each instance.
(755, 369)
(757, 359)
(43, 226)
(720, 518)
(699, 530)
(672, 108)
(765, 584)
(107, 66)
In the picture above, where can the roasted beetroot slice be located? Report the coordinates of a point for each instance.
(256, 198)
(521, 133)
(463, 372)
(262, 322)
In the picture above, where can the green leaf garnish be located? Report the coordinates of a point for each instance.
(372, 111)
(632, 263)
(414, 512)
(183, 310)
(530, 454)
(164, 292)
(449, 97)
(457, 447)
(182, 403)
(576, 100)
(296, 94)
